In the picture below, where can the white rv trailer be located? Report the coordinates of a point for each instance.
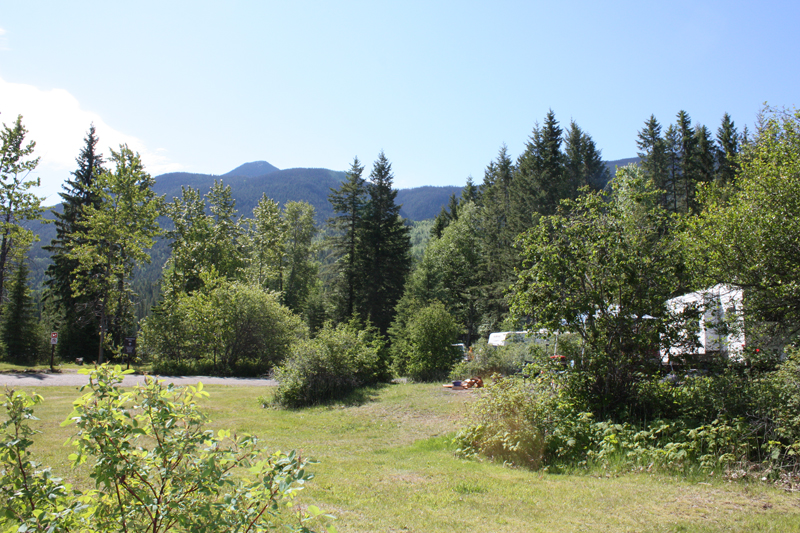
(721, 328)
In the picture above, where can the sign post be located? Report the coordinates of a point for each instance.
(53, 342)
(129, 347)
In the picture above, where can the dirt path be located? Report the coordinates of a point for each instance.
(73, 379)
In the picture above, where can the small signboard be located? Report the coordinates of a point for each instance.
(129, 345)
(54, 337)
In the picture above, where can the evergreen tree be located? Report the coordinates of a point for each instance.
(673, 160)
(583, 162)
(471, 192)
(705, 159)
(654, 161)
(349, 202)
(445, 217)
(497, 237)
(727, 150)
(77, 330)
(687, 143)
(116, 236)
(21, 332)
(384, 254)
(539, 183)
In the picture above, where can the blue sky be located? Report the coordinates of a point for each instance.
(439, 86)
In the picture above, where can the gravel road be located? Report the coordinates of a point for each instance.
(73, 379)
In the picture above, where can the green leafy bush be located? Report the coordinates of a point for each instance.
(715, 423)
(155, 467)
(506, 426)
(488, 360)
(330, 366)
(425, 351)
(223, 328)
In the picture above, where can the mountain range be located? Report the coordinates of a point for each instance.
(250, 181)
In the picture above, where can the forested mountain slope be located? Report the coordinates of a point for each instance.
(251, 180)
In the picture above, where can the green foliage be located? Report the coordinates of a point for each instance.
(299, 269)
(17, 203)
(451, 268)
(484, 360)
(333, 364)
(603, 269)
(21, 333)
(424, 348)
(226, 328)
(265, 244)
(154, 465)
(746, 235)
(785, 404)
(384, 248)
(78, 326)
(537, 423)
(420, 236)
(349, 203)
(506, 425)
(118, 233)
(35, 500)
(734, 420)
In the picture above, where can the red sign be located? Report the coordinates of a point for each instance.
(54, 337)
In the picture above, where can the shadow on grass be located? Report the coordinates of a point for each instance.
(360, 396)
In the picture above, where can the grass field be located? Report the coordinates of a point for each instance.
(387, 464)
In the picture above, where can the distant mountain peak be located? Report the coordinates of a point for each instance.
(252, 170)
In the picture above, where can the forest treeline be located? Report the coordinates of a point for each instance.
(546, 243)
(361, 268)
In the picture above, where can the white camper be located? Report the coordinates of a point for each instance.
(721, 328)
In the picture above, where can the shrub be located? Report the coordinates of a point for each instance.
(505, 425)
(503, 360)
(715, 423)
(337, 361)
(155, 467)
(223, 328)
(427, 352)
(784, 412)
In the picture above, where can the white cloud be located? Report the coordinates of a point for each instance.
(58, 124)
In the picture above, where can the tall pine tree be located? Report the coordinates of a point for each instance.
(497, 237)
(348, 202)
(705, 159)
(21, 332)
(78, 327)
(539, 183)
(654, 161)
(384, 255)
(688, 164)
(583, 162)
(727, 150)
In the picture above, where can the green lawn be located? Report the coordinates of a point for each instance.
(60, 367)
(387, 464)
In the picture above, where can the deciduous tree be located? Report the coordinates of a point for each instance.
(747, 232)
(119, 231)
(17, 202)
